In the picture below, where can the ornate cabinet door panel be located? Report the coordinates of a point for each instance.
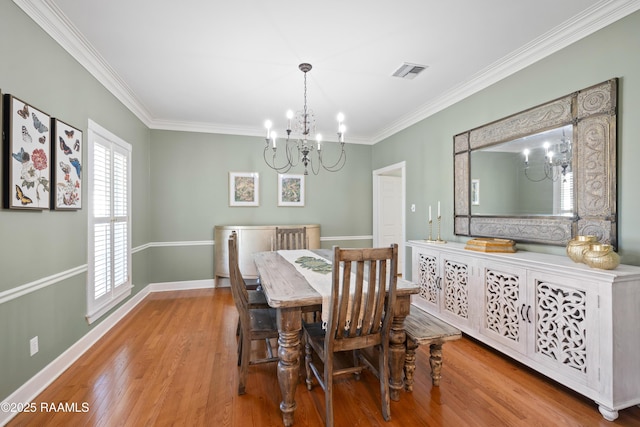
(456, 289)
(504, 307)
(426, 273)
(564, 326)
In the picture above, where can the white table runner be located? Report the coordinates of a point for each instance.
(317, 270)
(320, 281)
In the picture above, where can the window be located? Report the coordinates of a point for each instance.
(109, 265)
(563, 195)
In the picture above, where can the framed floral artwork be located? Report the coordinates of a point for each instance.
(290, 190)
(244, 189)
(66, 158)
(27, 156)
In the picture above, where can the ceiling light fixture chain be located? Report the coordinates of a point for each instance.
(299, 149)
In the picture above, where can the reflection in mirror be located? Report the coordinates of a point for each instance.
(529, 176)
(544, 195)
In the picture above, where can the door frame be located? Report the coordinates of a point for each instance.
(396, 169)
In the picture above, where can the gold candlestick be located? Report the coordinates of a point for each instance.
(430, 239)
(438, 239)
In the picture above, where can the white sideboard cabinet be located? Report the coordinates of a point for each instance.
(252, 239)
(576, 325)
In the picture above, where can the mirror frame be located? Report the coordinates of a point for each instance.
(593, 113)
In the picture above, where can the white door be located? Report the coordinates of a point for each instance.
(390, 214)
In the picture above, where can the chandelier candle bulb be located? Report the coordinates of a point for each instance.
(429, 213)
(273, 137)
(267, 124)
(438, 208)
(289, 117)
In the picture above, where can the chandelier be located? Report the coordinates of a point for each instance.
(298, 148)
(555, 161)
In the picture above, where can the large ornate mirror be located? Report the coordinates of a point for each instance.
(542, 175)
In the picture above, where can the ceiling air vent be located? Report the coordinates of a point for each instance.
(409, 71)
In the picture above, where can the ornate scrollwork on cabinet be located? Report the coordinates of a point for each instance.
(456, 288)
(428, 278)
(560, 325)
(574, 324)
(502, 311)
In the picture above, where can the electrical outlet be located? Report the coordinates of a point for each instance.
(413, 208)
(33, 344)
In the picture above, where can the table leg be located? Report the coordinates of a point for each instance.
(289, 327)
(410, 364)
(436, 363)
(397, 338)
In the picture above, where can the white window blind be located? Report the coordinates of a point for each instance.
(566, 194)
(109, 276)
(563, 194)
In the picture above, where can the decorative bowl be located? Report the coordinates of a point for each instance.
(601, 256)
(577, 246)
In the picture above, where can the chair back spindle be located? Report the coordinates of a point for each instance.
(291, 238)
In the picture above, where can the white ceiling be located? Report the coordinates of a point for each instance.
(225, 67)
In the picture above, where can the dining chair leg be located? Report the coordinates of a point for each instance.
(384, 371)
(307, 365)
(239, 348)
(244, 364)
(328, 393)
(356, 362)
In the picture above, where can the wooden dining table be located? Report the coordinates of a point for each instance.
(290, 294)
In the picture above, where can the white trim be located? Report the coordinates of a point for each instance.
(101, 310)
(27, 288)
(36, 384)
(184, 243)
(588, 22)
(48, 16)
(182, 286)
(333, 238)
(13, 293)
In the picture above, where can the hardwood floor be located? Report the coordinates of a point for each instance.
(172, 361)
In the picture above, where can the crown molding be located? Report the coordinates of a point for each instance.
(588, 22)
(230, 130)
(51, 19)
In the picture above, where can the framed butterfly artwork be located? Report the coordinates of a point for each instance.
(27, 156)
(66, 165)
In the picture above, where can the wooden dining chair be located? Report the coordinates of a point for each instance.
(255, 323)
(362, 298)
(291, 238)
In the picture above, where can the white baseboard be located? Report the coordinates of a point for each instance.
(34, 386)
(182, 286)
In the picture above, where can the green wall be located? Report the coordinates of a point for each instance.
(190, 195)
(180, 180)
(428, 145)
(35, 245)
